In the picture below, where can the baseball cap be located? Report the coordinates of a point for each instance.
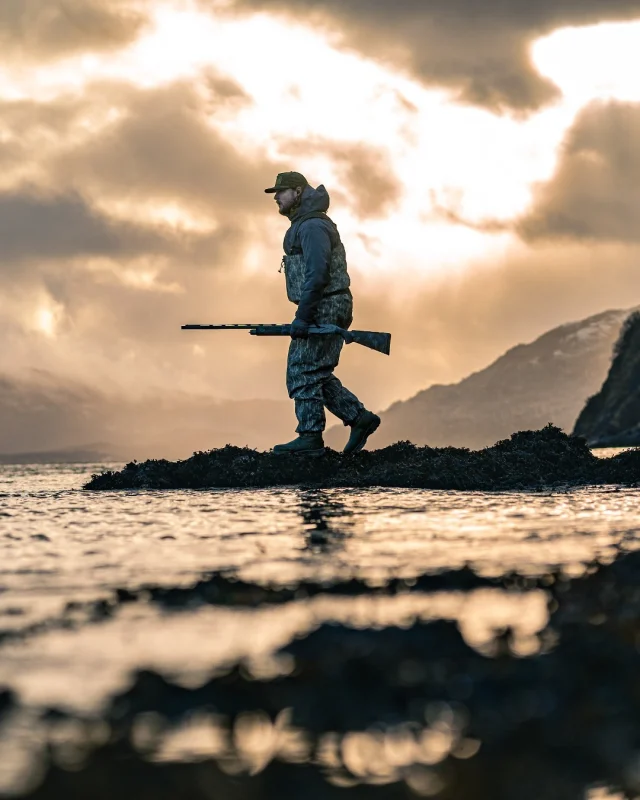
(288, 180)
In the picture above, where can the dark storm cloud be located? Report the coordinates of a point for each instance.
(65, 241)
(46, 29)
(159, 149)
(365, 176)
(54, 228)
(163, 149)
(595, 193)
(33, 225)
(478, 49)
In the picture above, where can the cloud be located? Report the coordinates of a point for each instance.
(478, 50)
(91, 170)
(366, 174)
(365, 179)
(158, 149)
(82, 247)
(50, 29)
(34, 225)
(162, 147)
(595, 193)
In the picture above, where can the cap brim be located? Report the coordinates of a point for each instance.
(273, 189)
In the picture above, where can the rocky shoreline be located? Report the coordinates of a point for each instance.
(527, 460)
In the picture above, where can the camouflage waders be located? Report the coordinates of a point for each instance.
(310, 379)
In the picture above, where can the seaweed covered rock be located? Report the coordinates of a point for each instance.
(611, 418)
(528, 459)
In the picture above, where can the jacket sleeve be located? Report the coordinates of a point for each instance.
(315, 241)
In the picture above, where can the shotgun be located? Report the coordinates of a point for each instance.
(380, 342)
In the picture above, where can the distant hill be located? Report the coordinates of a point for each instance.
(43, 419)
(89, 454)
(532, 384)
(611, 418)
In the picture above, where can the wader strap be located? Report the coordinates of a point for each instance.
(311, 215)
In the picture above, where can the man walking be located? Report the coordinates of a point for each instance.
(315, 269)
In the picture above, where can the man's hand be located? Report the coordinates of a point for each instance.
(299, 329)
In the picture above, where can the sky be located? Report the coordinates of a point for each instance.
(482, 162)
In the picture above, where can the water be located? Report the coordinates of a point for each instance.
(64, 551)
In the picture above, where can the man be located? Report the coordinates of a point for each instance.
(315, 269)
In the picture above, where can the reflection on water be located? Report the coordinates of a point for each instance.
(69, 542)
(327, 521)
(209, 638)
(421, 689)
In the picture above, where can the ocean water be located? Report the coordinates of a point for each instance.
(72, 639)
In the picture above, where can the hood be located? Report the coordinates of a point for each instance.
(312, 200)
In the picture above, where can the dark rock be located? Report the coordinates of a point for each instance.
(217, 589)
(611, 418)
(529, 459)
(549, 725)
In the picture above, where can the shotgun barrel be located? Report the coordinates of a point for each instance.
(380, 342)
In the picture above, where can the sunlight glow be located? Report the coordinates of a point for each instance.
(45, 321)
(604, 61)
(142, 273)
(175, 215)
(148, 281)
(47, 318)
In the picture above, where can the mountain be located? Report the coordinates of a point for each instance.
(530, 385)
(45, 419)
(87, 454)
(611, 418)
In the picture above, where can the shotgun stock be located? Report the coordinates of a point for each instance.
(380, 342)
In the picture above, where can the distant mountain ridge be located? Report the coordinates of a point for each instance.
(86, 454)
(45, 419)
(611, 417)
(547, 380)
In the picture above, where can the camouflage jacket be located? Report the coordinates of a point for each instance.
(315, 262)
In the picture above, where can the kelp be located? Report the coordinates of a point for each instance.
(527, 460)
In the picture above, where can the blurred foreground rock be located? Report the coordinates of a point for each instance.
(397, 712)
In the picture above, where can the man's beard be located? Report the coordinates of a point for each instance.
(292, 208)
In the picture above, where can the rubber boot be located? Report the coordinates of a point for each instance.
(362, 428)
(307, 444)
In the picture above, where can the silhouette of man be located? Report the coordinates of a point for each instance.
(315, 268)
